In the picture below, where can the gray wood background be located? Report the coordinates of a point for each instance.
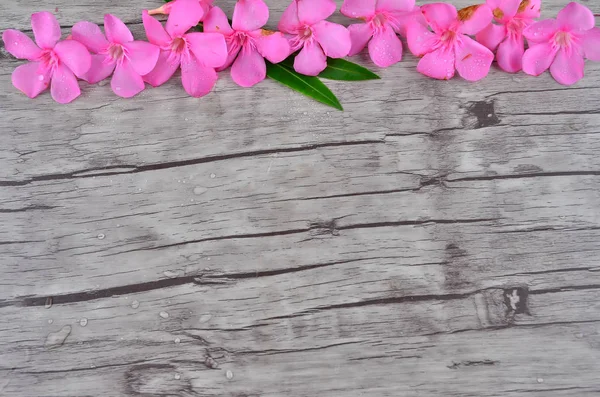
(436, 239)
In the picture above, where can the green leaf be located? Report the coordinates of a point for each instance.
(340, 69)
(310, 86)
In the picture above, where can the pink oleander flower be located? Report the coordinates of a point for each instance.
(561, 44)
(304, 21)
(197, 53)
(247, 39)
(52, 62)
(383, 19)
(116, 52)
(448, 47)
(167, 8)
(506, 35)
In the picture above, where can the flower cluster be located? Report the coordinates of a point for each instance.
(446, 39)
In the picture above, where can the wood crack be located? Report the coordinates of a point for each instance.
(133, 169)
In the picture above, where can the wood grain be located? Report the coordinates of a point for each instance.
(435, 239)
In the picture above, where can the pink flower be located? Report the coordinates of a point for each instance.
(448, 47)
(383, 19)
(166, 9)
(247, 39)
(197, 53)
(511, 17)
(129, 59)
(52, 62)
(305, 21)
(562, 43)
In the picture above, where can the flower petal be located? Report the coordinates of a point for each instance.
(439, 15)
(90, 35)
(142, 56)
(385, 48)
(333, 38)
(249, 15)
(209, 49)
(510, 54)
(473, 60)
(568, 67)
(438, 64)
(273, 46)
(575, 17)
(537, 59)
(289, 22)
(183, 16)
(167, 65)
(360, 34)
(46, 29)
(125, 82)
(28, 79)
(540, 32)
(492, 36)
(216, 22)
(395, 5)
(420, 40)
(233, 50)
(197, 79)
(475, 18)
(359, 8)
(74, 54)
(504, 10)
(100, 69)
(591, 44)
(64, 88)
(116, 30)
(155, 32)
(20, 45)
(530, 9)
(313, 11)
(311, 60)
(249, 68)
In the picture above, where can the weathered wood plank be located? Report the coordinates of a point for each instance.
(436, 239)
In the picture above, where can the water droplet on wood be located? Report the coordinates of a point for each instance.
(164, 314)
(177, 376)
(205, 318)
(50, 321)
(83, 322)
(177, 340)
(135, 304)
(229, 375)
(56, 339)
(101, 236)
(48, 304)
(170, 274)
(212, 176)
(540, 380)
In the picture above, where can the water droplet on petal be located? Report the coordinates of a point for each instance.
(48, 304)
(164, 314)
(83, 322)
(135, 304)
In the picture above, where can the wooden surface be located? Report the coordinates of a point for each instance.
(436, 239)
